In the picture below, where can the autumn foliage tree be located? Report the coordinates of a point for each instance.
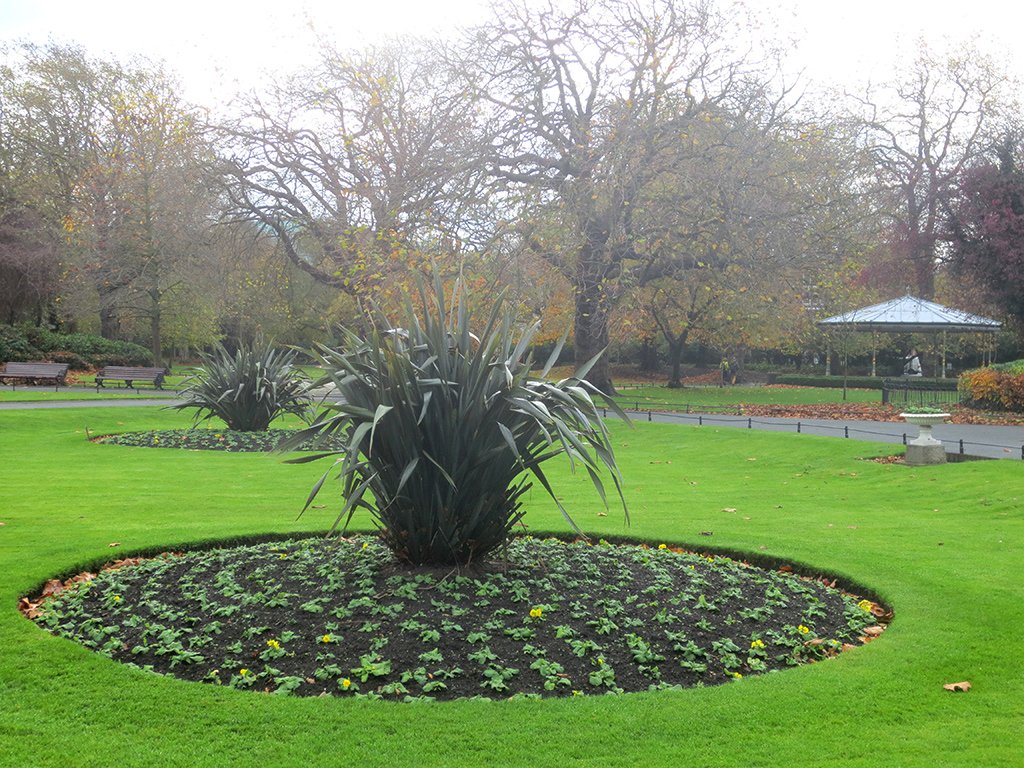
(113, 158)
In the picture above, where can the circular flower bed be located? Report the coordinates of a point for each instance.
(342, 618)
(210, 440)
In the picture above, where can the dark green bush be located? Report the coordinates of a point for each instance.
(248, 388)
(110, 358)
(92, 347)
(15, 346)
(440, 427)
(74, 362)
(832, 382)
(24, 343)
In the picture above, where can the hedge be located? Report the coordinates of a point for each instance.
(861, 382)
(79, 350)
(832, 382)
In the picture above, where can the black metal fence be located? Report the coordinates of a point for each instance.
(921, 392)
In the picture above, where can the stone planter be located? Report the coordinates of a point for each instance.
(925, 449)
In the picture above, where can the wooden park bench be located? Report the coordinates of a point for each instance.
(36, 372)
(128, 374)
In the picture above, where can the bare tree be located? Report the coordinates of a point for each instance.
(358, 165)
(939, 115)
(590, 103)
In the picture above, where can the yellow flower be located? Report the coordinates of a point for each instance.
(865, 605)
(803, 630)
(737, 675)
(346, 684)
(327, 638)
(757, 644)
(663, 546)
(536, 613)
(243, 672)
(273, 644)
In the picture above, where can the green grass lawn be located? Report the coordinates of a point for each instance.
(42, 395)
(709, 397)
(943, 545)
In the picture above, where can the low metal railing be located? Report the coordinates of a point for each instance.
(921, 392)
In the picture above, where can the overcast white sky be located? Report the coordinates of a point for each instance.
(214, 44)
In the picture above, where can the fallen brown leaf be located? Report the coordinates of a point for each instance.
(958, 687)
(52, 587)
(728, 509)
(874, 631)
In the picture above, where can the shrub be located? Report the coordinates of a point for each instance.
(73, 361)
(833, 382)
(247, 389)
(32, 343)
(108, 358)
(443, 429)
(15, 346)
(124, 352)
(996, 387)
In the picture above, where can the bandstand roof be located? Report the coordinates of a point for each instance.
(910, 315)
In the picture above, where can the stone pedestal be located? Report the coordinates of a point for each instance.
(923, 455)
(925, 449)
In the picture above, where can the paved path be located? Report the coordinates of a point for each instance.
(969, 439)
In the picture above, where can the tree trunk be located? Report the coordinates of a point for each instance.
(155, 337)
(675, 357)
(648, 356)
(110, 321)
(591, 326)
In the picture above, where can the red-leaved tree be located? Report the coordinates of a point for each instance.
(987, 228)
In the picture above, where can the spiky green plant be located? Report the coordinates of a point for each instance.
(444, 429)
(249, 388)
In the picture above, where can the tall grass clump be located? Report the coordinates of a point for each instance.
(443, 428)
(248, 388)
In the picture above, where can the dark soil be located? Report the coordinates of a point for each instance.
(314, 618)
